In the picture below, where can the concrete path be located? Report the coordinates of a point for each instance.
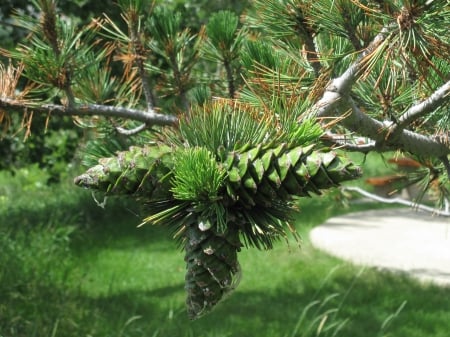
(400, 239)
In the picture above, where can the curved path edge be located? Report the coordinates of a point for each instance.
(403, 240)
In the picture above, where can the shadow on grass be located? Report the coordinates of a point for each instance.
(48, 310)
(95, 227)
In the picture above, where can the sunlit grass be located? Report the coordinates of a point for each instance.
(70, 268)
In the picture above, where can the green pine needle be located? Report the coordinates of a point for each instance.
(220, 128)
(221, 29)
(196, 175)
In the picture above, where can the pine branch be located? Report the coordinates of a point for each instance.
(381, 132)
(311, 52)
(223, 44)
(230, 79)
(140, 63)
(419, 110)
(414, 205)
(336, 100)
(342, 85)
(307, 32)
(357, 45)
(50, 31)
(149, 117)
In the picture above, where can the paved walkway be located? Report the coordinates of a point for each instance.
(400, 239)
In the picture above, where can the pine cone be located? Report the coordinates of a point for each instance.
(140, 172)
(213, 269)
(261, 175)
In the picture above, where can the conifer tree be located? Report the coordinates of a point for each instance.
(234, 122)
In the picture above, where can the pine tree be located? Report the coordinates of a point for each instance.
(232, 123)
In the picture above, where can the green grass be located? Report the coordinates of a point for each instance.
(70, 268)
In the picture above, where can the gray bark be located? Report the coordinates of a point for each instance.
(337, 103)
(148, 117)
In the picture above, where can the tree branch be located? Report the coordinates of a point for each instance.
(140, 60)
(435, 100)
(336, 101)
(400, 201)
(307, 32)
(148, 117)
(381, 132)
(342, 85)
(230, 79)
(348, 143)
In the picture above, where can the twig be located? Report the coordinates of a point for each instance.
(348, 143)
(149, 117)
(400, 201)
(361, 148)
(131, 132)
(230, 78)
(446, 163)
(139, 60)
(99, 204)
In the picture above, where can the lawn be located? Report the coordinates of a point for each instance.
(71, 268)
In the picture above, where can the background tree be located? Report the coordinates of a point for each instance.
(42, 148)
(235, 120)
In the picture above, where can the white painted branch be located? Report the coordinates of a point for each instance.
(399, 201)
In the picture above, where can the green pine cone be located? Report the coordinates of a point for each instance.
(260, 175)
(140, 171)
(213, 269)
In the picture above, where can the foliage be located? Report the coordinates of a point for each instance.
(53, 151)
(98, 83)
